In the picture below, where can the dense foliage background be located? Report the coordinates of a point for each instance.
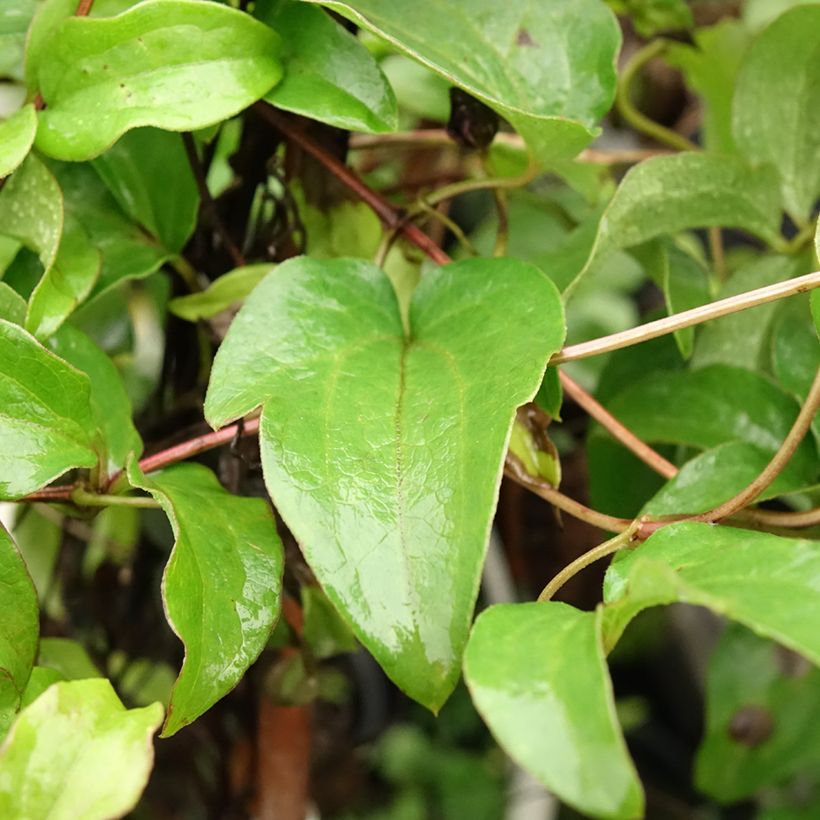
(266, 450)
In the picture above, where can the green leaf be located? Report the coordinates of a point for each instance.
(128, 252)
(221, 586)
(40, 679)
(705, 408)
(324, 630)
(329, 75)
(66, 283)
(550, 395)
(32, 211)
(148, 172)
(12, 305)
(46, 425)
(710, 69)
(15, 18)
(538, 676)
(716, 475)
(110, 406)
(230, 289)
(762, 717)
(19, 629)
(16, 138)
(383, 453)
(76, 752)
(741, 339)
(175, 64)
(548, 68)
(67, 657)
(651, 16)
(762, 581)
(776, 111)
(665, 195)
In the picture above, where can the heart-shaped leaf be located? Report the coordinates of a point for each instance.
(538, 676)
(16, 138)
(221, 586)
(77, 752)
(19, 628)
(176, 64)
(776, 106)
(383, 450)
(547, 67)
(329, 75)
(46, 425)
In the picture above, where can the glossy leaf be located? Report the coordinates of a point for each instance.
(66, 283)
(328, 74)
(383, 453)
(776, 112)
(538, 676)
(16, 138)
(548, 68)
(46, 425)
(230, 289)
(19, 629)
(148, 172)
(179, 65)
(128, 251)
(77, 753)
(12, 305)
(221, 586)
(762, 581)
(762, 717)
(665, 195)
(32, 211)
(705, 408)
(110, 406)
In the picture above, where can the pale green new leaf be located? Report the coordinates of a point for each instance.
(19, 628)
(46, 425)
(221, 586)
(148, 172)
(383, 452)
(76, 753)
(110, 406)
(228, 290)
(328, 74)
(538, 676)
(16, 138)
(763, 581)
(179, 65)
(548, 67)
(776, 109)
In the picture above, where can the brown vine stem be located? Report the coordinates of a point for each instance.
(83, 8)
(688, 318)
(208, 204)
(620, 541)
(780, 459)
(380, 206)
(514, 469)
(621, 433)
